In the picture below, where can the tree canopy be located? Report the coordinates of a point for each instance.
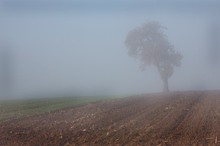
(150, 45)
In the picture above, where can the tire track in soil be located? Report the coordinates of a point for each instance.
(168, 132)
(201, 127)
(164, 123)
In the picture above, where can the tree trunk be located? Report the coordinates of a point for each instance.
(165, 85)
(163, 78)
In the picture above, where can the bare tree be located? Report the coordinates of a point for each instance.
(150, 45)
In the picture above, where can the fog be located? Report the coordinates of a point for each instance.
(57, 48)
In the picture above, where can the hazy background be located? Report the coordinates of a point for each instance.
(61, 48)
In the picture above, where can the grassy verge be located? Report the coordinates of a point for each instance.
(26, 107)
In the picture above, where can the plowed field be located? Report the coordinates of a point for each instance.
(178, 118)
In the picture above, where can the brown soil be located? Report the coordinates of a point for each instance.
(179, 118)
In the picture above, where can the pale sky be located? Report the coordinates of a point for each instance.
(77, 47)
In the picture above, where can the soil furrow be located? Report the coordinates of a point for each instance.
(178, 118)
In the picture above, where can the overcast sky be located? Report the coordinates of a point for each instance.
(77, 47)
